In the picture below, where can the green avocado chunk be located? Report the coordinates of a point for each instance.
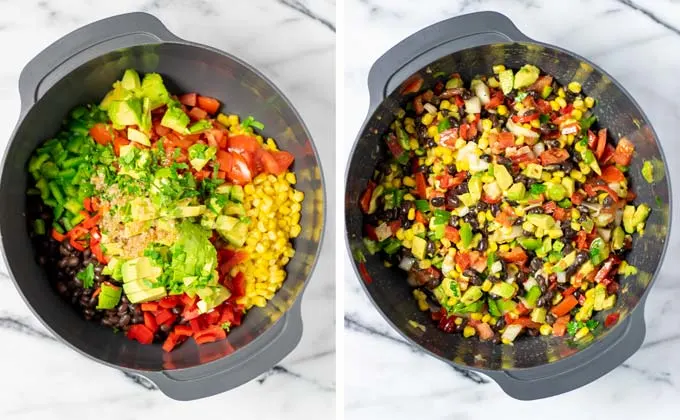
(175, 119)
(526, 76)
(128, 112)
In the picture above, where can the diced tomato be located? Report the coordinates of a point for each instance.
(571, 128)
(601, 143)
(611, 319)
(140, 333)
(162, 130)
(541, 83)
(581, 240)
(495, 101)
(395, 225)
(225, 159)
(506, 139)
(365, 200)
(365, 274)
(612, 174)
(412, 85)
(243, 143)
(624, 152)
(150, 321)
(544, 106)
(184, 330)
(577, 198)
(553, 156)
(420, 217)
(170, 342)
(592, 140)
(284, 160)
(238, 285)
(394, 146)
(569, 291)
(528, 117)
(592, 190)
(240, 172)
(208, 104)
(608, 154)
(567, 110)
(169, 302)
(188, 300)
(268, 162)
(560, 214)
(197, 114)
(188, 99)
(463, 259)
(525, 321)
(118, 142)
(451, 233)
(220, 137)
(565, 305)
(370, 232)
(233, 261)
(421, 186)
(515, 255)
(606, 269)
(484, 330)
(560, 325)
(102, 133)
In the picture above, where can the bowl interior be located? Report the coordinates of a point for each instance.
(185, 68)
(615, 110)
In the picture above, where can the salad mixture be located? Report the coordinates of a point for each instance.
(509, 210)
(161, 217)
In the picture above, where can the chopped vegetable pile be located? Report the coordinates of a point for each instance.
(509, 210)
(159, 216)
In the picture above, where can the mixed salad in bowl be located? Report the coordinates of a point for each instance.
(511, 212)
(159, 216)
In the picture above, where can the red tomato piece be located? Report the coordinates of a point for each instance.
(601, 143)
(283, 159)
(412, 85)
(163, 316)
(268, 162)
(506, 139)
(208, 104)
(239, 172)
(188, 99)
(233, 261)
(611, 319)
(225, 159)
(184, 330)
(102, 133)
(150, 306)
(515, 255)
(169, 302)
(612, 174)
(451, 233)
(243, 143)
(118, 142)
(553, 156)
(197, 114)
(624, 152)
(421, 185)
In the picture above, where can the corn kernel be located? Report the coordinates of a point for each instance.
(554, 105)
(535, 123)
(444, 104)
(579, 104)
(409, 182)
(486, 286)
(427, 119)
(561, 102)
(413, 143)
(469, 331)
(259, 301)
(574, 87)
(411, 214)
(487, 124)
(477, 316)
(502, 110)
(486, 318)
(545, 329)
(576, 114)
(590, 102)
(581, 333)
(498, 68)
(561, 93)
(295, 231)
(458, 320)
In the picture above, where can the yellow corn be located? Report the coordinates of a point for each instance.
(502, 110)
(590, 102)
(576, 114)
(468, 331)
(561, 102)
(409, 182)
(477, 316)
(575, 87)
(545, 329)
(427, 119)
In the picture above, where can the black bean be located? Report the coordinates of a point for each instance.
(454, 220)
(124, 320)
(430, 248)
(64, 251)
(536, 210)
(451, 169)
(165, 328)
(550, 318)
(61, 288)
(137, 319)
(77, 282)
(483, 244)
(178, 311)
(123, 307)
(62, 263)
(437, 201)
(532, 332)
(536, 264)
(495, 208)
(452, 200)
(485, 158)
(500, 323)
(73, 261)
(462, 188)
(98, 269)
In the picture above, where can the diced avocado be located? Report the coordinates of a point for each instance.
(502, 289)
(138, 137)
(189, 211)
(530, 244)
(113, 268)
(641, 214)
(538, 315)
(199, 126)
(648, 171)
(234, 209)
(475, 187)
(208, 220)
(225, 224)
(516, 192)
(618, 238)
(237, 236)
(147, 295)
(145, 122)
(467, 200)
(506, 80)
(506, 306)
(628, 214)
(418, 247)
(154, 89)
(109, 296)
(225, 189)
(135, 286)
(556, 192)
(471, 295)
(534, 170)
(465, 235)
(212, 297)
(130, 80)
(503, 177)
(200, 155)
(237, 194)
(532, 296)
(526, 76)
(140, 268)
(217, 202)
(568, 184)
(543, 221)
(175, 119)
(124, 113)
(118, 93)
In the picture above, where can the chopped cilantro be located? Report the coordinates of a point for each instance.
(87, 276)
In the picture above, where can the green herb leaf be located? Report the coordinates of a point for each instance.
(592, 324)
(86, 276)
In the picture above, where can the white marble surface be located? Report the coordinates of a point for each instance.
(638, 42)
(292, 42)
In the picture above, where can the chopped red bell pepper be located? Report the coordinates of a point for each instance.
(606, 268)
(150, 321)
(525, 321)
(150, 306)
(185, 330)
(611, 319)
(172, 341)
(566, 305)
(163, 316)
(364, 273)
(58, 236)
(421, 185)
(140, 333)
(169, 302)
(365, 200)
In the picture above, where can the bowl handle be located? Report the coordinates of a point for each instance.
(580, 369)
(84, 44)
(434, 42)
(236, 369)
